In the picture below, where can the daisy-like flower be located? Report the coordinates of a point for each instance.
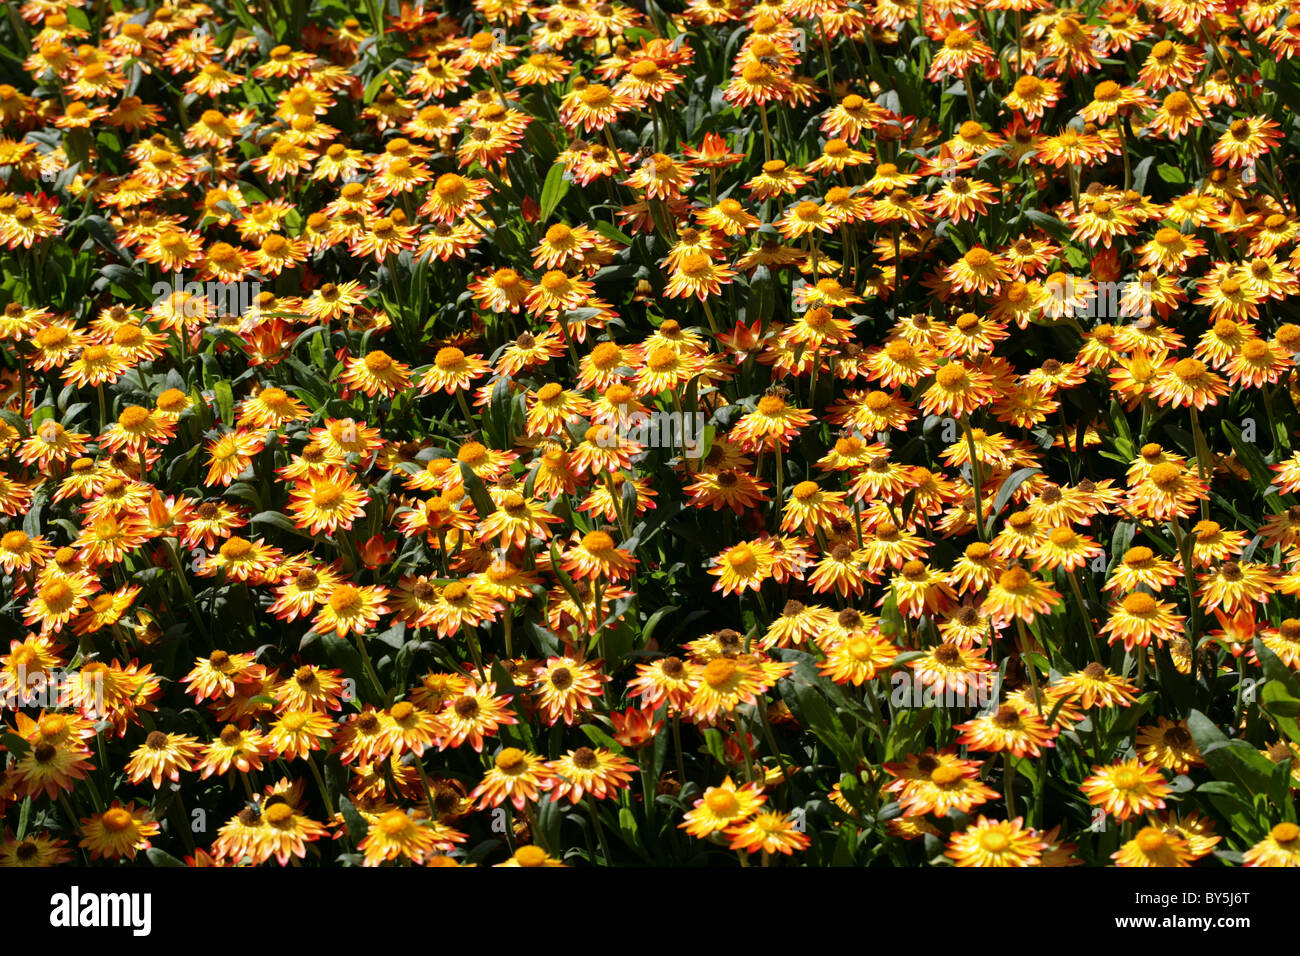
(1187, 382)
(18, 552)
(1154, 846)
(957, 390)
(163, 755)
(811, 507)
(597, 772)
(410, 728)
(597, 556)
(697, 275)
(1018, 732)
(51, 768)
(1235, 584)
(377, 373)
(1095, 686)
(721, 807)
(1169, 746)
(978, 271)
(593, 106)
(932, 783)
(327, 502)
(452, 371)
(1033, 96)
(231, 454)
(996, 843)
(241, 560)
(472, 715)
(1126, 789)
(1280, 848)
(668, 680)
(1019, 595)
(565, 685)
(515, 775)
(120, 831)
(1140, 619)
(351, 609)
(35, 849)
(283, 833)
(722, 685)
(298, 732)
(742, 567)
(858, 658)
(394, 834)
(769, 831)
(772, 424)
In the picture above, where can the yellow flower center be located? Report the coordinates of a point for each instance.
(1028, 86)
(236, 548)
(115, 820)
(530, 856)
(994, 841)
(946, 775)
(1062, 536)
(597, 542)
(662, 358)
(344, 600)
(717, 672)
(402, 711)
(555, 281)
(511, 760)
(1014, 579)
(1165, 475)
(950, 375)
(1150, 840)
(722, 802)
(1285, 833)
(471, 453)
(14, 541)
(1125, 779)
(596, 95)
(1255, 349)
(1139, 604)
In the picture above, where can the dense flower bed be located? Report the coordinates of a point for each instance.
(796, 432)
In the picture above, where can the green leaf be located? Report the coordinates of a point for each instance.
(1275, 670)
(713, 741)
(553, 191)
(1230, 760)
(1249, 455)
(1009, 487)
(647, 632)
(600, 738)
(477, 491)
(225, 400)
(1170, 174)
(1282, 707)
(161, 857)
(356, 823)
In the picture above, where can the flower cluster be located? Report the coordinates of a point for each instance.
(989, 535)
